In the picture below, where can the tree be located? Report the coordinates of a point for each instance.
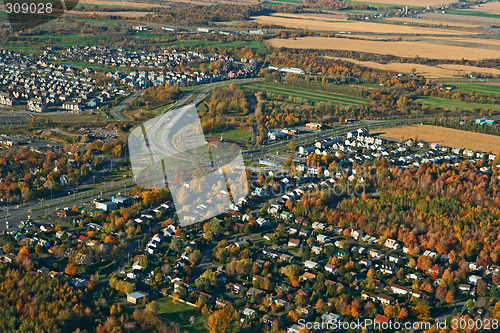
(421, 311)
(152, 307)
(482, 288)
(449, 297)
(8, 248)
(221, 320)
(469, 305)
(71, 269)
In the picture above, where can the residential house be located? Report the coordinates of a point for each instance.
(392, 244)
(387, 268)
(330, 268)
(135, 297)
(310, 264)
(308, 276)
(331, 318)
(366, 262)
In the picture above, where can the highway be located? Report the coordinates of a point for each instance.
(159, 145)
(117, 110)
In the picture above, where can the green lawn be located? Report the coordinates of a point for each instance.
(10, 132)
(308, 94)
(450, 104)
(104, 268)
(231, 134)
(67, 39)
(180, 313)
(478, 88)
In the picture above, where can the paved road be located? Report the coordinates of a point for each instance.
(116, 111)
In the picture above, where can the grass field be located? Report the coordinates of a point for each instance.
(68, 39)
(10, 132)
(443, 136)
(472, 13)
(231, 134)
(180, 313)
(197, 42)
(478, 88)
(311, 95)
(451, 104)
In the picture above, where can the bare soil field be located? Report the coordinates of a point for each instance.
(461, 19)
(470, 69)
(420, 3)
(292, 21)
(119, 3)
(443, 21)
(399, 49)
(427, 71)
(443, 136)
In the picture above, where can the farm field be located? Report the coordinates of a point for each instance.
(478, 88)
(302, 21)
(106, 3)
(460, 19)
(469, 69)
(436, 21)
(399, 49)
(418, 3)
(443, 136)
(424, 70)
(450, 104)
(123, 14)
(439, 71)
(491, 7)
(312, 95)
(473, 13)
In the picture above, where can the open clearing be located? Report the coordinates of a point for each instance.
(451, 104)
(299, 22)
(420, 3)
(308, 94)
(400, 49)
(443, 136)
(440, 71)
(424, 70)
(470, 69)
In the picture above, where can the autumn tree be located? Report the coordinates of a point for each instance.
(221, 320)
(71, 269)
